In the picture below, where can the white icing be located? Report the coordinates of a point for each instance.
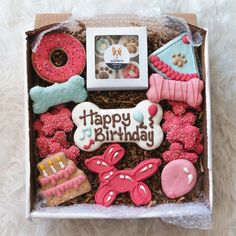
(150, 166)
(53, 169)
(82, 118)
(98, 162)
(110, 150)
(45, 173)
(127, 177)
(104, 164)
(116, 154)
(190, 179)
(111, 193)
(144, 169)
(61, 164)
(186, 170)
(111, 173)
(107, 177)
(141, 187)
(122, 176)
(108, 198)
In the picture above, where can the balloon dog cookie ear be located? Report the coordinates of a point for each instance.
(95, 126)
(71, 91)
(61, 180)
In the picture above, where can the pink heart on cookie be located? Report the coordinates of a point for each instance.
(178, 178)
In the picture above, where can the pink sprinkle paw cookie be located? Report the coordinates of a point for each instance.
(178, 178)
(61, 180)
(95, 126)
(115, 181)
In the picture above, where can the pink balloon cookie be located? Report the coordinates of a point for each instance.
(53, 42)
(178, 178)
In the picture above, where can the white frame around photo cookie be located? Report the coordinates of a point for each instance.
(117, 83)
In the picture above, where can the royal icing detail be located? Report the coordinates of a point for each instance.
(60, 179)
(188, 92)
(139, 125)
(175, 60)
(115, 181)
(178, 178)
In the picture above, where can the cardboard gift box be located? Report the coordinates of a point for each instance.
(191, 214)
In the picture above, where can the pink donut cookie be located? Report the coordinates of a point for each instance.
(178, 178)
(74, 50)
(131, 71)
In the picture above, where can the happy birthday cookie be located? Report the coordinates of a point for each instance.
(95, 126)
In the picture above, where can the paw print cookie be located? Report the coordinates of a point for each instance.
(101, 44)
(104, 72)
(131, 43)
(179, 59)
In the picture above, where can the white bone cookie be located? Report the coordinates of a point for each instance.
(140, 125)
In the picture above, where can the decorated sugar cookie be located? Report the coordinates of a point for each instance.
(95, 126)
(61, 180)
(178, 178)
(113, 181)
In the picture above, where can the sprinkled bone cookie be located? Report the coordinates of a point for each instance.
(175, 60)
(71, 90)
(115, 181)
(51, 42)
(189, 92)
(96, 126)
(178, 178)
(61, 180)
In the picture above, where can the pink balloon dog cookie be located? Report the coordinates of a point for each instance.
(115, 181)
(188, 92)
(178, 178)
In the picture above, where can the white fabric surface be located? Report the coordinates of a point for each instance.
(16, 17)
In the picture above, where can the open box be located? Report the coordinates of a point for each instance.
(192, 214)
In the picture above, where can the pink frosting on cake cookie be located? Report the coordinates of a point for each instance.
(72, 47)
(178, 178)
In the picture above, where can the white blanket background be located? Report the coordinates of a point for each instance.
(18, 16)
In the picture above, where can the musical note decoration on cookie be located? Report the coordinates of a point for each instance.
(175, 60)
(95, 126)
(113, 181)
(61, 180)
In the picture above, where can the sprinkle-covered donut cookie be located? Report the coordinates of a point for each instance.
(68, 45)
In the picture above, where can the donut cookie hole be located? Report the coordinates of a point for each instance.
(103, 72)
(58, 57)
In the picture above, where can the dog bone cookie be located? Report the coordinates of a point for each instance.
(188, 92)
(61, 180)
(178, 178)
(96, 126)
(115, 181)
(71, 90)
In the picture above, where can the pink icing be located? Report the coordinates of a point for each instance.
(188, 92)
(178, 178)
(52, 179)
(59, 189)
(75, 57)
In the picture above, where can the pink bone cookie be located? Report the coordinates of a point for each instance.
(95, 126)
(188, 92)
(178, 178)
(176, 151)
(115, 181)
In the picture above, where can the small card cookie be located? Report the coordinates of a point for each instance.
(95, 126)
(61, 180)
